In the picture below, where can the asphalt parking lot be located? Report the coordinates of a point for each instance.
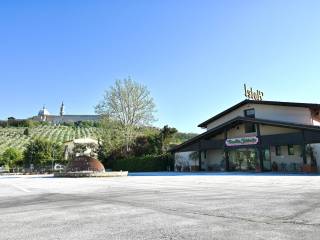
(160, 207)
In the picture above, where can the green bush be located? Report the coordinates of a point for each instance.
(149, 163)
(11, 157)
(19, 123)
(41, 152)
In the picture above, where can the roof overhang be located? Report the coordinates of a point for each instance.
(247, 101)
(238, 120)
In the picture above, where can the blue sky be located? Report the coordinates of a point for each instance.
(194, 56)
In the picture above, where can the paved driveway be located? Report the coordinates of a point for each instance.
(161, 207)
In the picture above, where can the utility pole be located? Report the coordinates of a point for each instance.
(52, 158)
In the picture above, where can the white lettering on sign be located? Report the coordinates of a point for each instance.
(251, 94)
(241, 141)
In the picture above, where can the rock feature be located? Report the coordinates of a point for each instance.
(85, 163)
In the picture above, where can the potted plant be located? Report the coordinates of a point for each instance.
(312, 166)
(258, 168)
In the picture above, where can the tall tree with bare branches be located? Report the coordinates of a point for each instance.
(128, 103)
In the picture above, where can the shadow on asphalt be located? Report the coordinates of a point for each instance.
(133, 174)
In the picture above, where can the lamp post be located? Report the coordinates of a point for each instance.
(31, 160)
(52, 159)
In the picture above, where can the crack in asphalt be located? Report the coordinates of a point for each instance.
(81, 201)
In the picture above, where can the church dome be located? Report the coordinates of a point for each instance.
(43, 112)
(85, 163)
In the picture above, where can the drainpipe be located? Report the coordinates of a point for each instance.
(303, 145)
(226, 153)
(199, 153)
(260, 153)
(200, 164)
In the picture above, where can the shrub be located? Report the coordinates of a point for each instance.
(149, 163)
(146, 145)
(11, 158)
(68, 124)
(41, 152)
(12, 122)
(26, 132)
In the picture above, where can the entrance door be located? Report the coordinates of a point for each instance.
(266, 157)
(243, 159)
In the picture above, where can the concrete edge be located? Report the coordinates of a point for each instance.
(91, 174)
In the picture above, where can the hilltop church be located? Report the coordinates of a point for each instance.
(45, 116)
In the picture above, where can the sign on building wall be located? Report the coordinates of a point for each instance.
(231, 142)
(251, 94)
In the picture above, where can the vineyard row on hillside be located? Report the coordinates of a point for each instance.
(15, 137)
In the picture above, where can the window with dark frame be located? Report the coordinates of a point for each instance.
(290, 149)
(249, 113)
(249, 127)
(278, 151)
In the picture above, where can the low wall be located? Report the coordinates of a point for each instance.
(91, 174)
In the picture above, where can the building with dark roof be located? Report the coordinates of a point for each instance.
(256, 136)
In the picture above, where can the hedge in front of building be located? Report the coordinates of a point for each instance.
(149, 163)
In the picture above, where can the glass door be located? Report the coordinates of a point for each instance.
(266, 159)
(243, 159)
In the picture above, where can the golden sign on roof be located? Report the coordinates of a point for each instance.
(251, 94)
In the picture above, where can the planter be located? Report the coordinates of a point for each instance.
(309, 169)
(258, 169)
(194, 168)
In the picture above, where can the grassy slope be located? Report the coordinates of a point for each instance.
(14, 137)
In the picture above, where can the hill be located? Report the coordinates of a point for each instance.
(15, 137)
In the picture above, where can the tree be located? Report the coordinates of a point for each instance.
(30, 123)
(147, 145)
(166, 134)
(130, 104)
(41, 152)
(26, 132)
(12, 158)
(111, 141)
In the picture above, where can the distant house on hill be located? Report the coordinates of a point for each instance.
(45, 116)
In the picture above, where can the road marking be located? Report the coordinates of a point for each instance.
(19, 187)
